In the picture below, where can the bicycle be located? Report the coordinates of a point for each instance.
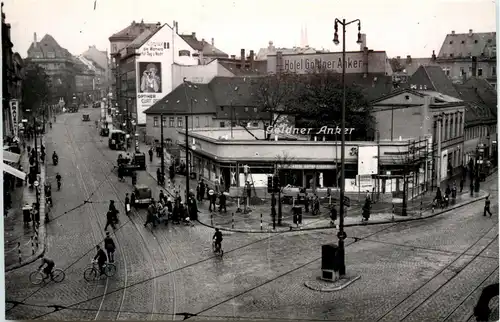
(94, 272)
(38, 277)
(217, 249)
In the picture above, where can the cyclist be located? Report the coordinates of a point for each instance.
(218, 240)
(58, 178)
(101, 258)
(48, 269)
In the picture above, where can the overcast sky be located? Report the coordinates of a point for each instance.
(400, 27)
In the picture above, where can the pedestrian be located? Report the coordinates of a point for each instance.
(161, 197)
(150, 152)
(487, 203)
(222, 202)
(151, 217)
(110, 247)
(134, 178)
(121, 169)
(158, 175)
(316, 205)
(202, 190)
(110, 220)
(36, 213)
(454, 190)
(193, 209)
(462, 181)
(307, 202)
(471, 186)
(132, 199)
(333, 215)
(113, 209)
(212, 198)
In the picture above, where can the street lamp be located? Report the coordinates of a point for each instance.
(341, 234)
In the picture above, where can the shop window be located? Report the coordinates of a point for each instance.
(222, 124)
(197, 121)
(155, 121)
(171, 122)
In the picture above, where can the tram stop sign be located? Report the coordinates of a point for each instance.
(36, 183)
(342, 235)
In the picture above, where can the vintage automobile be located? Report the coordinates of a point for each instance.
(143, 195)
(116, 140)
(130, 163)
(86, 117)
(104, 131)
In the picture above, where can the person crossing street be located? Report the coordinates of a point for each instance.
(150, 152)
(110, 247)
(151, 217)
(487, 203)
(110, 220)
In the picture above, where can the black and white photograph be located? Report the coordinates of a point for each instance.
(250, 160)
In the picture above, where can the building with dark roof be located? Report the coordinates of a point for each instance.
(224, 102)
(432, 78)
(12, 76)
(480, 116)
(59, 65)
(457, 52)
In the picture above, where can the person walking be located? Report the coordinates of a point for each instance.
(212, 198)
(487, 203)
(151, 217)
(110, 220)
(150, 152)
(462, 181)
(110, 247)
(222, 202)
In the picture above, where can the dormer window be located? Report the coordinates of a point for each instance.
(463, 41)
(475, 41)
(184, 53)
(451, 42)
(451, 55)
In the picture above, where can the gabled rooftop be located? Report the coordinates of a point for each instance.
(434, 78)
(48, 44)
(205, 47)
(132, 31)
(468, 44)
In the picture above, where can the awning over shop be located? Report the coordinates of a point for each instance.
(13, 171)
(11, 157)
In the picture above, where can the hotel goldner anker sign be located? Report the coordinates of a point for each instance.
(327, 61)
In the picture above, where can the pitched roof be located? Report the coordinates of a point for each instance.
(201, 45)
(468, 44)
(99, 57)
(409, 64)
(179, 101)
(435, 79)
(478, 110)
(259, 67)
(372, 86)
(235, 91)
(133, 30)
(49, 44)
(143, 38)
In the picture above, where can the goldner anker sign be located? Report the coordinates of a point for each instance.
(304, 63)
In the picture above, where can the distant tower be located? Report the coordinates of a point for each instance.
(306, 41)
(302, 37)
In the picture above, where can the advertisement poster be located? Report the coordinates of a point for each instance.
(149, 89)
(14, 112)
(367, 160)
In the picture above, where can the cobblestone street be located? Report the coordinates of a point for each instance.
(424, 270)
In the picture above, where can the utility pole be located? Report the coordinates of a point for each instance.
(37, 164)
(439, 128)
(187, 159)
(162, 154)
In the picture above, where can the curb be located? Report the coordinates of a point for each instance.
(285, 230)
(41, 230)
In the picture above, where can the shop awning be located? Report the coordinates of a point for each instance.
(11, 157)
(13, 171)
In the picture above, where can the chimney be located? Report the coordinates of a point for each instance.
(193, 34)
(408, 59)
(365, 62)
(213, 42)
(271, 46)
(363, 42)
(34, 39)
(233, 57)
(398, 57)
(474, 66)
(243, 58)
(251, 59)
(279, 62)
(433, 56)
(176, 27)
(470, 32)
(453, 32)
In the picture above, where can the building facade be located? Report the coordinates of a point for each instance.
(460, 52)
(12, 76)
(59, 65)
(101, 63)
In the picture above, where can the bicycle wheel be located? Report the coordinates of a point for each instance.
(110, 270)
(36, 278)
(90, 274)
(58, 275)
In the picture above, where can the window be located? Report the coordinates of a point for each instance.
(462, 71)
(114, 48)
(493, 71)
(207, 121)
(222, 124)
(446, 71)
(164, 121)
(171, 121)
(197, 121)
(451, 42)
(479, 72)
(451, 55)
(246, 109)
(452, 132)
(255, 124)
(475, 41)
(168, 45)
(463, 41)
(155, 121)
(184, 53)
(179, 121)
(222, 108)
(255, 109)
(51, 54)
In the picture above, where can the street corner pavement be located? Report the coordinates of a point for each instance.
(24, 245)
(256, 222)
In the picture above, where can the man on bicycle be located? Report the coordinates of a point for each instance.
(48, 269)
(101, 258)
(218, 240)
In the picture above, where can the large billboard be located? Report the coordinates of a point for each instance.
(149, 87)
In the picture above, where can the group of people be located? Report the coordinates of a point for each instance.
(166, 209)
(444, 201)
(204, 192)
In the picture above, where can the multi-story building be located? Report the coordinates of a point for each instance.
(150, 58)
(12, 75)
(86, 81)
(101, 63)
(460, 51)
(59, 65)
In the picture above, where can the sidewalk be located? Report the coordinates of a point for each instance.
(22, 245)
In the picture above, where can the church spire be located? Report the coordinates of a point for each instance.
(306, 41)
(302, 36)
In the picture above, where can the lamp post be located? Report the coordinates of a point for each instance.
(438, 164)
(186, 138)
(341, 234)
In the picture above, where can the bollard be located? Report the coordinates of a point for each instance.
(232, 224)
(211, 219)
(19, 251)
(32, 245)
(260, 221)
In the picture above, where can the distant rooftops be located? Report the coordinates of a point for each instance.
(465, 45)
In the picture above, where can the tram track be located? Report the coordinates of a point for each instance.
(144, 238)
